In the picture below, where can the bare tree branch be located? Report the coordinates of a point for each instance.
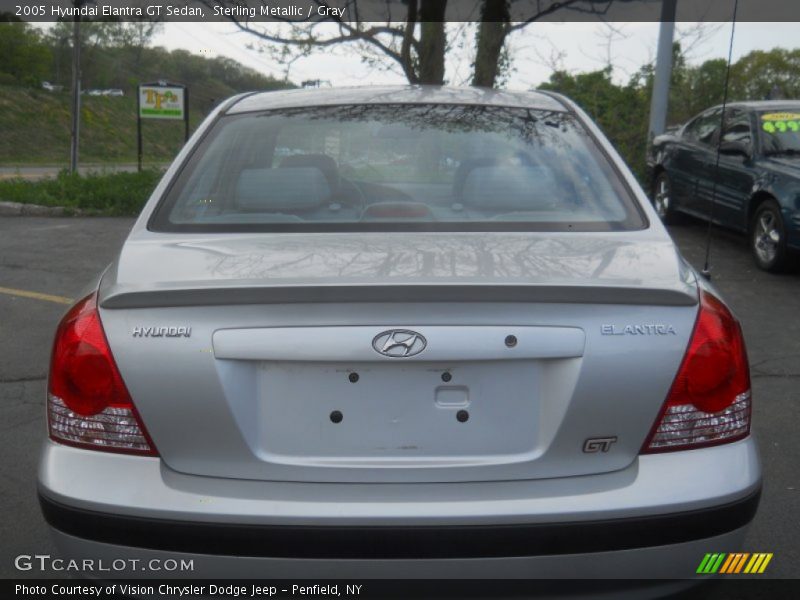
(417, 42)
(691, 37)
(302, 34)
(544, 9)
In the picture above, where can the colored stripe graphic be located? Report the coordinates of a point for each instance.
(754, 563)
(737, 562)
(741, 562)
(711, 563)
(729, 563)
(758, 563)
(723, 563)
(764, 564)
(703, 564)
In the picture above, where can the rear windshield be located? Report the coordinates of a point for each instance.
(397, 167)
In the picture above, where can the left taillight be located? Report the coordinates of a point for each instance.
(88, 404)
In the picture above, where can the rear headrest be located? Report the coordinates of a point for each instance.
(323, 162)
(272, 190)
(464, 169)
(509, 188)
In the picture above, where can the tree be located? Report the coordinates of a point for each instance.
(138, 35)
(702, 86)
(417, 44)
(756, 76)
(99, 39)
(24, 59)
(118, 55)
(495, 27)
(759, 74)
(490, 40)
(620, 110)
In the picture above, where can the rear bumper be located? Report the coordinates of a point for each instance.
(673, 563)
(400, 542)
(655, 518)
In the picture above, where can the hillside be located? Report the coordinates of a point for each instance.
(35, 126)
(35, 123)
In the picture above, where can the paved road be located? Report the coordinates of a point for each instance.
(60, 256)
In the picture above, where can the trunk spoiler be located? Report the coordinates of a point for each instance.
(211, 294)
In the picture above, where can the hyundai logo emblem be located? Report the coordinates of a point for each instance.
(399, 343)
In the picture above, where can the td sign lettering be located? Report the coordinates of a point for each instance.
(157, 102)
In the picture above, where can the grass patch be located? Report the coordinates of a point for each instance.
(111, 194)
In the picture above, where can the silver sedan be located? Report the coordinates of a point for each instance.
(410, 331)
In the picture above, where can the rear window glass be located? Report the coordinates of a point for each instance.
(397, 167)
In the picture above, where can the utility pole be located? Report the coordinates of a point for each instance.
(663, 71)
(76, 90)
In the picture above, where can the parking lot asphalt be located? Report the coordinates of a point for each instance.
(60, 256)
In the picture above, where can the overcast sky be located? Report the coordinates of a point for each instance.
(578, 47)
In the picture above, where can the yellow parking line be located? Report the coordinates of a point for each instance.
(36, 295)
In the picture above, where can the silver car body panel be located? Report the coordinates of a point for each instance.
(392, 94)
(238, 414)
(651, 485)
(163, 269)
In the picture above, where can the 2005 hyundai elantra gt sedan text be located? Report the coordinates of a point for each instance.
(422, 331)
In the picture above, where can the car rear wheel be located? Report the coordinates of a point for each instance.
(768, 238)
(662, 199)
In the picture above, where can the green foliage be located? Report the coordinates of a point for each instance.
(755, 75)
(622, 110)
(24, 58)
(35, 123)
(695, 89)
(117, 55)
(114, 194)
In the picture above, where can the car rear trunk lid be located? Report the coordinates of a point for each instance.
(563, 375)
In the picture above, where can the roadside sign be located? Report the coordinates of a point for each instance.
(161, 102)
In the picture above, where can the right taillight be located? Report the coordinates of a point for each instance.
(709, 402)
